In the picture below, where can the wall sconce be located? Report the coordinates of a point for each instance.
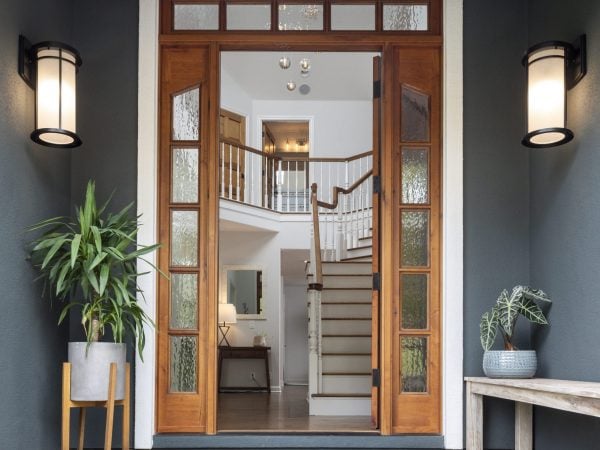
(552, 68)
(50, 68)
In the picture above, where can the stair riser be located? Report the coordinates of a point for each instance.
(368, 258)
(351, 253)
(364, 268)
(347, 281)
(365, 241)
(346, 310)
(346, 344)
(346, 363)
(341, 384)
(346, 295)
(346, 326)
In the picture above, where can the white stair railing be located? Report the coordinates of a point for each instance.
(281, 184)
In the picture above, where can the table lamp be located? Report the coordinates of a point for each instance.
(227, 315)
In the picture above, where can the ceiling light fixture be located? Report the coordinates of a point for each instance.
(305, 65)
(285, 62)
(291, 85)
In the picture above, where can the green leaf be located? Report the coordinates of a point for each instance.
(508, 310)
(535, 294)
(75, 249)
(489, 328)
(104, 272)
(53, 251)
(61, 278)
(97, 260)
(532, 312)
(97, 238)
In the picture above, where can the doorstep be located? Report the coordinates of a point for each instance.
(295, 440)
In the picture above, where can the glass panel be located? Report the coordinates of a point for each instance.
(248, 17)
(184, 360)
(415, 233)
(186, 115)
(300, 17)
(197, 17)
(184, 238)
(415, 175)
(414, 301)
(405, 17)
(184, 301)
(353, 17)
(415, 115)
(413, 369)
(185, 175)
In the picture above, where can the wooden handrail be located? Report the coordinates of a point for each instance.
(246, 148)
(338, 190)
(316, 235)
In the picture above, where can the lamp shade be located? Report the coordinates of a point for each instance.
(57, 66)
(546, 65)
(227, 313)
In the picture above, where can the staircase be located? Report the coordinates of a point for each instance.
(343, 369)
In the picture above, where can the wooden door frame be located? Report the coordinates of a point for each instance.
(452, 262)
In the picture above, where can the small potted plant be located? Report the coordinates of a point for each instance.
(89, 262)
(511, 362)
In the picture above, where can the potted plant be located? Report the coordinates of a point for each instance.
(511, 362)
(89, 262)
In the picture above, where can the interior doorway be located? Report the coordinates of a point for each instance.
(295, 138)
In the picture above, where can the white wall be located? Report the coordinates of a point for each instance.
(235, 99)
(341, 128)
(295, 370)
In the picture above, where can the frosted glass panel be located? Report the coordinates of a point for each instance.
(184, 301)
(353, 17)
(300, 17)
(405, 17)
(415, 115)
(415, 233)
(186, 115)
(184, 360)
(184, 238)
(248, 17)
(414, 301)
(197, 17)
(413, 370)
(415, 175)
(185, 175)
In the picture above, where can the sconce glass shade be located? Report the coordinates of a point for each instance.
(546, 65)
(55, 88)
(227, 313)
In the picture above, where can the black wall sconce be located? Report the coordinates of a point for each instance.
(50, 68)
(553, 67)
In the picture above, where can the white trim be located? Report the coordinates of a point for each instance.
(452, 289)
(452, 263)
(147, 202)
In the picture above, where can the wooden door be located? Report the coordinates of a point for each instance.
(186, 220)
(269, 166)
(375, 310)
(416, 171)
(232, 127)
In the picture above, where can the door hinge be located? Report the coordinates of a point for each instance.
(376, 281)
(376, 89)
(376, 378)
(377, 184)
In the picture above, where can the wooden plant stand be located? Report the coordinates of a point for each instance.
(109, 404)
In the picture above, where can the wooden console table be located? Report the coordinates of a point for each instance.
(573, 396)
(226, 352)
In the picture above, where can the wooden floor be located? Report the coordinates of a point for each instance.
(281, 412)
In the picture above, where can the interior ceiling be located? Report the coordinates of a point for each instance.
(333, 75)
(288, 131)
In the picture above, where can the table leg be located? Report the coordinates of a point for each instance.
(110, 406)
(66, 406)
(268, 371)
(474, 420)
(523, 426)
(81, 428)
(219, 371)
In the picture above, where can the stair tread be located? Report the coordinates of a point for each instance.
(345, 303)
(345, 335)
(350, 259)
(347, 374)
(323, 395)
(347, 289)
(365, 238)
(344, 354)
(341, 262)
(345, 318)
(360, 247)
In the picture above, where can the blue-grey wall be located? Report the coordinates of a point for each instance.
(34, 185)
(565, 218)
(496, 183)
(106, 34)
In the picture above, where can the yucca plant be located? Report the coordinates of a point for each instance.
(521, 302)
(90, 262)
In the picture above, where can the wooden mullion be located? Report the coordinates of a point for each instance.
(192, 332)
(184, 270)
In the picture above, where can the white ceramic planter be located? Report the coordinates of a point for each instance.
(510, 363)
(90, 370)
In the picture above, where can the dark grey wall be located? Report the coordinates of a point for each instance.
(34, 185)
(565, 214)
(106, 34)
(496, 177)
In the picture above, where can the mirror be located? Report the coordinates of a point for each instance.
(242, 286)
